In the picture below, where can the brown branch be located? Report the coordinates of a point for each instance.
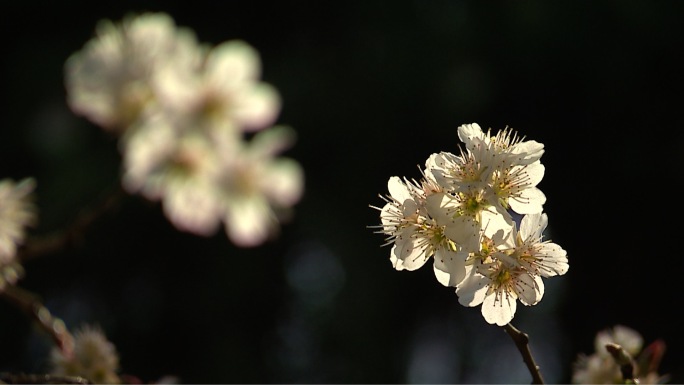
(624, 360)
(62, 239)
(31, 304)
(9, 378)
(521, 341)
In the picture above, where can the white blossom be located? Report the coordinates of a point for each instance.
(257, 187)
(93, 357)
(184, 111)
(600, 367)
(496, 282)
(109, 80)
(530, 251)
(17, 211)
(460, 213)
(416, 234)
(505, 145)
(225, 90)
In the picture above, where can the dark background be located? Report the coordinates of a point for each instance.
(372, 89)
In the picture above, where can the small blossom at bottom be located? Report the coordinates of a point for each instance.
(497, 286)
(94, 358)
(601, 368)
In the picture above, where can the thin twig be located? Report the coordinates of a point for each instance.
(31, 304)
(624, 360)
(10, 378)
(58, 240)
(522, 343)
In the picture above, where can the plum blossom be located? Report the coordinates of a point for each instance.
(601, 368)
(224, 90)
(460, 213)
(415, 234)
(505, 145)
(500, 172)
(509, 267)
(94, 358)
(109, 80)
(17, 212)
(257, 187)
(195, 125)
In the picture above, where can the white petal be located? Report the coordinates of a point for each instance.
(442, 277)
(472, 290)
(249, 221)
(530, 150)
(530, 289)
(535, 173)
(439, 206)
(464, 231)
(283, 182)
(554, 260)
(628, 338)
(257, 107)
(467, 132)
(388, 214)
(499, 312)
(411, 254)
(398, 189)
(192, 207)
(492, 222)
(396, 262)
(436, 166)
(532, 226)
(232, 64)
(531, 201)
(435, 161)
(450, 263)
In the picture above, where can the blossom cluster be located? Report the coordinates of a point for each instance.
(462, 213)
(601, 368)
(17, 212)
(195, 125)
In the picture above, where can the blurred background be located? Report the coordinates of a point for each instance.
(372, 89)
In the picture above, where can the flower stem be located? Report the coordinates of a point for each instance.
(30, 304)
(521, 341)
(624, 360)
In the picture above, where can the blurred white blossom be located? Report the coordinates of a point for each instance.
(93, 357)
(601, 368)
(257, 187)
(460, 213)
(223, 91)
(17, 211)
(186, 113)
(109, 80)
